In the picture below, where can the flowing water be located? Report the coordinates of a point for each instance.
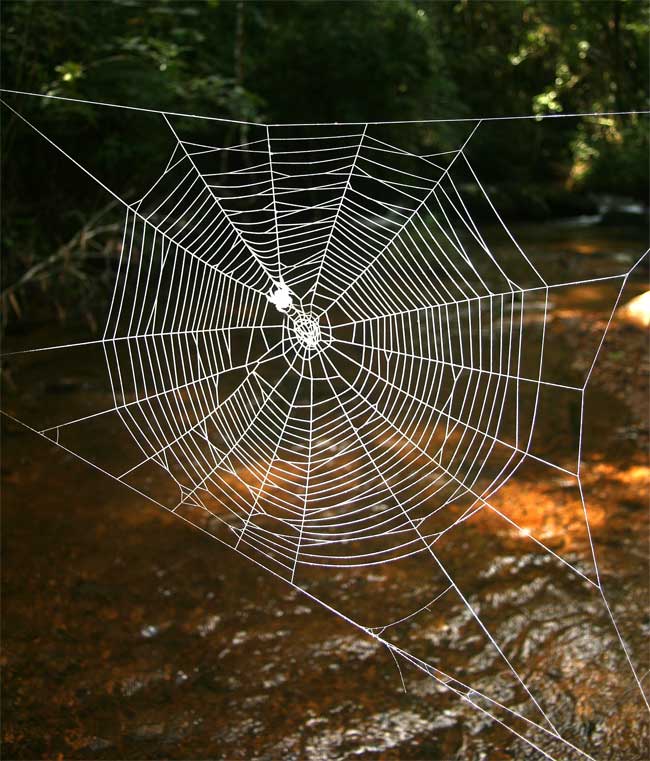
(128, 634)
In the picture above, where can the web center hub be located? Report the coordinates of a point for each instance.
(307, 328)
(308, 333)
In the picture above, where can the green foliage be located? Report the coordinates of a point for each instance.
(613, 151)
(331, 60)
(348, 61)
(317, 60)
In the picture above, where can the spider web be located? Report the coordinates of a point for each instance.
(336, 366)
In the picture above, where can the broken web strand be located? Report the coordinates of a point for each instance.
(343, 216)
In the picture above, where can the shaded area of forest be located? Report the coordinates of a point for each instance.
(276, 62)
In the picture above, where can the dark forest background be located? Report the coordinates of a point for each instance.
(306, 61)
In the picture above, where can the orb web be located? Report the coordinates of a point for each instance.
(338, 367)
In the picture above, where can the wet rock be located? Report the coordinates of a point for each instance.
(99, 743)
(625, 217)
(149, 732)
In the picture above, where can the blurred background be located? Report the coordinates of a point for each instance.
(128, 635)
(318, 61)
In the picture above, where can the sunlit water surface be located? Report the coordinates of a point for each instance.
(128, 634)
